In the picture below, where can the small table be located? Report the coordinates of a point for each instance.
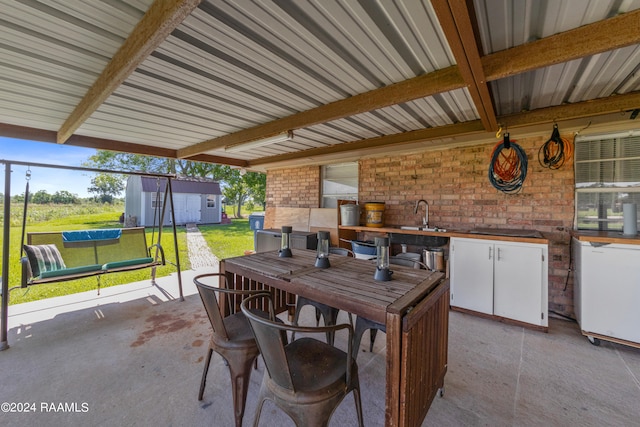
(414, 306)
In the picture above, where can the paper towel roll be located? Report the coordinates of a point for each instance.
(630, 217)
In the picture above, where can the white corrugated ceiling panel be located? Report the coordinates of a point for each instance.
(423, 113)
(504, 24)
(238, 64)
(51, 52)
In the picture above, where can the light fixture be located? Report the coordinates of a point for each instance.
(322, 257)
(285, 248)
(245, 146)
(382, 273)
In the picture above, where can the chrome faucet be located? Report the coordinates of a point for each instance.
(425, 220)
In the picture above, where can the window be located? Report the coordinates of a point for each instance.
(339, 181)
(607, 175)
(211, 201)
(155, 201)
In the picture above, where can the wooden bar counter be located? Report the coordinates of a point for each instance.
(414, 305)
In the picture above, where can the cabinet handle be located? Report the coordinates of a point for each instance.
(499, 253)
(490, 249)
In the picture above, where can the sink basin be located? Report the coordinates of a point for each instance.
(421, 238)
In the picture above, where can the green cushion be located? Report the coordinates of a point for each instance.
(127, 263)
(70, 271)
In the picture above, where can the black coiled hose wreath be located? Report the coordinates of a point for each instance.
(556, 151)
(508, 167)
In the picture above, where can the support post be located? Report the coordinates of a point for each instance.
(4, 344)
(175, 237)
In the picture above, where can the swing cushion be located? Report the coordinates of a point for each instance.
(70, 271)
(91, 235)
(121, 264)
(43, 258)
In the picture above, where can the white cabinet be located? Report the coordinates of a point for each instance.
(500, 278)
(607, 291)
(471, 270)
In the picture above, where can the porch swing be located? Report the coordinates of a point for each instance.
(62, 256)
(52, 257)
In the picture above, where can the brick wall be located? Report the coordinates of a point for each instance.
(455, 184)
(294, 188)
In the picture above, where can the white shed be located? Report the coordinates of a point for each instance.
(194, 200)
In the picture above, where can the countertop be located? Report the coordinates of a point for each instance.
(507, 235)
(606, 237)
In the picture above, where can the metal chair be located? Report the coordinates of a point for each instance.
(306, 378)
(232, 338)
(328, 313)
(362, 324)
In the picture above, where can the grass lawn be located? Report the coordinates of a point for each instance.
(79, 218)
(228, 240)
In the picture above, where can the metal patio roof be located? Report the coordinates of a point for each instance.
(350, 78)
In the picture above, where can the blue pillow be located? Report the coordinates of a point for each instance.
(43, 258)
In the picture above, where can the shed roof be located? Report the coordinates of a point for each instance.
(180, 185)
(192, 79)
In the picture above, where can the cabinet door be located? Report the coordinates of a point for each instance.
(518, 283)
(472, 275)
(610, 291)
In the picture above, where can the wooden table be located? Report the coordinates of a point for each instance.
(414, 306)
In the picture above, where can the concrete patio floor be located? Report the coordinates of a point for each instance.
(133, 356)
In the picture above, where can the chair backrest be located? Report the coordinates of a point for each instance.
(210, 302)
(271, 338)
(271, 342)
(211, 297)
(131, 243)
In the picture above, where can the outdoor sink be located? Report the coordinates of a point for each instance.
(431, 240)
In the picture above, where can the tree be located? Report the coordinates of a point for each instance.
(106, 187)
(41, 197)
(238, 189)
(64, 198)
(136, 162)
(257, 183)
(19, 198)
(130, 162)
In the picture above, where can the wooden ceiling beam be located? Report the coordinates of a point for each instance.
(595, 107)
(619, 103)
(146, 150)
(418, 87)
(458, 22)
(155, 26)
(41, 135)
(602, 36)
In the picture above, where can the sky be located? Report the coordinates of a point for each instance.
(50, 180)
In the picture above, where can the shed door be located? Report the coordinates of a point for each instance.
(187, 208)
